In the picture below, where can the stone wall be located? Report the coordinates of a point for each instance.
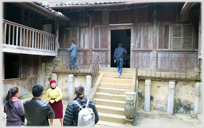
(183, 99)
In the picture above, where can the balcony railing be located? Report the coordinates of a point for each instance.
(87, 65)
(19, 35)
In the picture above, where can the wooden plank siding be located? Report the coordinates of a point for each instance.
(155, 30)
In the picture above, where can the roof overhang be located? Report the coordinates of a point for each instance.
(43, 11)
(95, 5)
(186, 7)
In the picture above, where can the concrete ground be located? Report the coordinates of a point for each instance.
(162, 119)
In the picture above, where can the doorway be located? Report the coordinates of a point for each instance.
(123, 37)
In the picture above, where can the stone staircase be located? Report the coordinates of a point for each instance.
(110, 98)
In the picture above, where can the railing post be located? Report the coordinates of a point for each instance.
(16, 35)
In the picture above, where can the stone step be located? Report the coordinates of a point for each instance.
(112, 90)
(111, 124)
(110, 110)
(115, 85)
(113, 103)
(109, 96)
(112, 118)
(115, 75)
(116, 80)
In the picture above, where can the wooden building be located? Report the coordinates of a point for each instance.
(147, 30)
(30, 37)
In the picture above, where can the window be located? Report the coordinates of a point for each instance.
(11, 66)
(143, 37)
(163, 37)
(182, 37)
(101, 42)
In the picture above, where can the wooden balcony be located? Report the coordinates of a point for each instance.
(21, 39)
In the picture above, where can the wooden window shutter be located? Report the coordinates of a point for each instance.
(138, 39)
(100, 37)
(84, 38)
(187, 43)
(163, 37)
(142, 37)
(182, 37)
(176, 37)
(71, 34)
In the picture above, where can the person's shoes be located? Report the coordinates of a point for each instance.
(119, 74)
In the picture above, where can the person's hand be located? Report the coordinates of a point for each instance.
(52, 101)
(114, 61)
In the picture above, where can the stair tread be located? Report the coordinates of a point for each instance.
(109, 107)
(116, 101)
(109, 94)
(105, 77)
(114, 89)
(111, 115)
(114, 83)
(106, 123)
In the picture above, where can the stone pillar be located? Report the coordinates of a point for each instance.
(198, 102)
(170, 106)
(70, 87)
(130, 107)
(54, 77)
(147, 95)
(88, 84)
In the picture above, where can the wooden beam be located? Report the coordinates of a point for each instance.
(25, 50)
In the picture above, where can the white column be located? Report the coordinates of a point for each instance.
(54, 77)
(147, 95)
(70, 87)
(170, 107)
(88, 84)
(198, 102)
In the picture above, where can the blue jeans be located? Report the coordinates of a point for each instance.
(72, 62)
(120, 65)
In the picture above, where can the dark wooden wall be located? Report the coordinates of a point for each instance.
(155, 31)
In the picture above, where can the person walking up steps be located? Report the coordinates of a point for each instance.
(119, 54)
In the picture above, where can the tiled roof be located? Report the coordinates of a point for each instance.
(79, 3)
(49, 9)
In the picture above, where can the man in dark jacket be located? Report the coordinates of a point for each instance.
(72, 110)
(119, 54)
(37, 112)
(73, 55)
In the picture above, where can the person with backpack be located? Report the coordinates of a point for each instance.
(14, 108)
(81, 111)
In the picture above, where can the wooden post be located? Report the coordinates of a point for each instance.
(16, 36)
(154, 39)
(57, 35)
(20, 36)
(5, 27)
(27, 43)
(9, 34)
(13, 35)
(32, 39)
(90, 34)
